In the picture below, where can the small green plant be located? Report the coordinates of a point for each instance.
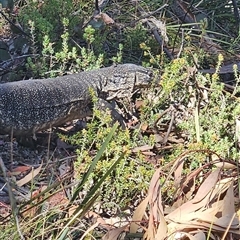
(54, 63)
(48, 16)
(200, 108)
(65, 39)
(50, 221)
(132, 172)
(216, 116)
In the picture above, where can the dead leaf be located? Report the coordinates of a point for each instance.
(138, 215)
(178, 174)
(206, 192)
(58, 199)
(106, 19)
(207, 185)
(142, 148)
(98, 219)
(139, 104)
(225, 165)
(18, 170)
(155, 204)
(144, 127)
(200, 236)
(29, 177)
(162, 227)
(228, 202)
(160, 25)
(113, 234)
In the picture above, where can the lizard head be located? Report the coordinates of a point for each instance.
(123, 80)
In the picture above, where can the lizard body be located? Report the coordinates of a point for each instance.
(29, 106)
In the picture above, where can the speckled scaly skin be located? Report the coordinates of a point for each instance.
(29, 106)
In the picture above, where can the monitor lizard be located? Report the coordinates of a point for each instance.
(29, 106)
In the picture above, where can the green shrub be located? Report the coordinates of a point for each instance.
(132, 174)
